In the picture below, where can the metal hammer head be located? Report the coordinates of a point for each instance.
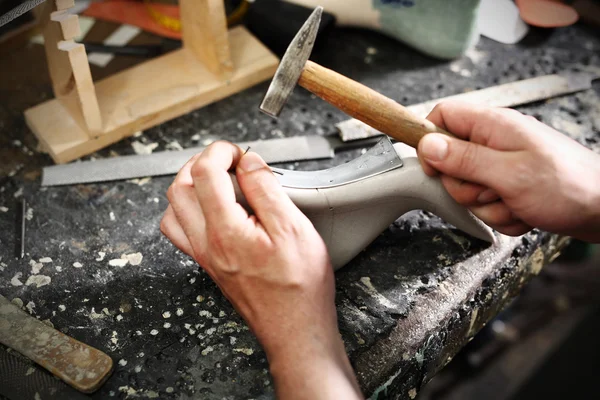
(291, 65)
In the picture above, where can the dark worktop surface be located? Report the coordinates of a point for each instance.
(406, 304)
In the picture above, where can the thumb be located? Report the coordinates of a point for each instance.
(464, 160)
(265, 195)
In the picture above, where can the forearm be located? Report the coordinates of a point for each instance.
(308, 368)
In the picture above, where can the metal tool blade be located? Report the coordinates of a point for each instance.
(273, 151)
(77, 364)
(291, 65)
(506, 95)
(19, 10)
(379, 159)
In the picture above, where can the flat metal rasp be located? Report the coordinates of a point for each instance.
(77, 364)
(273, 151)
(21, 380)
(19, 10)
(507, 95)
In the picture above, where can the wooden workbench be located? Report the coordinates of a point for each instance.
(406, 305)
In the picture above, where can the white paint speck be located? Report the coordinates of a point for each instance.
(179, 312)
(101, 256)
(29, 306)
(19, 192)
(36, 396)
(134, 259)
(174, 145)
(155, 200)
(195, 138)
(29, 214)
(193, 280)
(36, 267)
(154, 332)
(210, 331)
(111, 215)
(200, 299)
(114, 338)
(38, 280)
(412, 393)
(95, 315)
(205, 313)
(232, 340)
(245, 351)
(167, 325)
(58, 268)
(118, 262)
(15, 281)
(166, 314)
(62, 307)
(77, 264)
(17, 302)
(119, 317)
(141, 354)
(207, 350)
(222, 314)
(371, 51)
(141, 148)
(45, 260)
(30, 371)
(138, 369)
(3, 209)
(169, 390)
(122, 362)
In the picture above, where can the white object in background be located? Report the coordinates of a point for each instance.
(120, 37)
(500, 20)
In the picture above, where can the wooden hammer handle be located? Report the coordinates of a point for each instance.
(366, 105)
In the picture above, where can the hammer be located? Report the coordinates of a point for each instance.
(355, 99)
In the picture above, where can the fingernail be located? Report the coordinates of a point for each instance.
(251, 162)
(487, 196)
(434, 147)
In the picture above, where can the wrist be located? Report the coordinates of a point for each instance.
(590, 227)
(319, 365)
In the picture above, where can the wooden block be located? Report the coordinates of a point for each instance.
(69, 24)
(60, 5)
(204, 32)
(145, 95)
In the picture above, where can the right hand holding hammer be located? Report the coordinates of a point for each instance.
(513, 171)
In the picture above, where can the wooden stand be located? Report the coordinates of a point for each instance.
(84, 117)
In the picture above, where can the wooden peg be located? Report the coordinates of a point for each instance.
(204, 31)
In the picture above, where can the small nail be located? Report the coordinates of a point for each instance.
(251, 162)
(434, 147)
(487, 196)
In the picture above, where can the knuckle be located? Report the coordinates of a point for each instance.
(200, 168)
(175, 191)
(219, 146)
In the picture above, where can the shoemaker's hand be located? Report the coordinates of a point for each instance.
(513, 171)
(273, 266)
